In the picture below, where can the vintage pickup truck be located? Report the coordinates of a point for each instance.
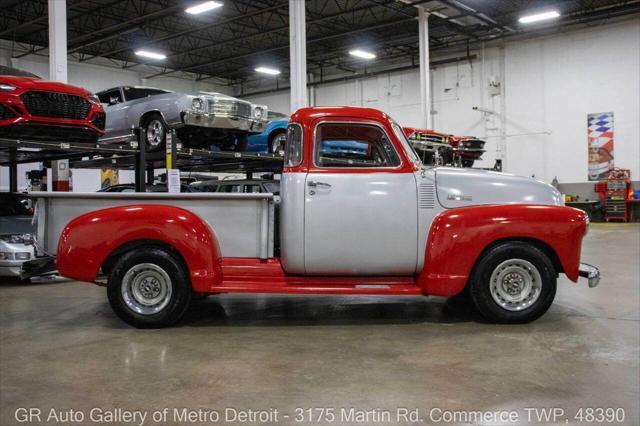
(370, 221)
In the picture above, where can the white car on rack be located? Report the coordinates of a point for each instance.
(204, 120)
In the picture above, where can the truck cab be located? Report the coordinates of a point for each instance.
(357, 214)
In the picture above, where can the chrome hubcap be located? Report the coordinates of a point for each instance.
(515, 284)
(278, 142)
(146, 288)
(155, 133)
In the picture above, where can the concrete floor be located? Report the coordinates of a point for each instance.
(63, 348)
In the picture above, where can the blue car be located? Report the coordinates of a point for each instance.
(272, 139)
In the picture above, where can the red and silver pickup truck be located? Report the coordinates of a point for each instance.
(371, 220)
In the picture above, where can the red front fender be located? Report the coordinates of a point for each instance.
(458, 237)
(89, 239)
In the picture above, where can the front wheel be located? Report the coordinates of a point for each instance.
(156, 133)
(149, 288)
(513, 282)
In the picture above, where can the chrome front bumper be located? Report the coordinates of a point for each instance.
(591, 273)
(204, 119)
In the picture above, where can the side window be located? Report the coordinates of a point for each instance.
(353, 145)
(293, 149)
(110, 97)
(133, 93)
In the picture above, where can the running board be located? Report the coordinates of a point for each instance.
(315, 287)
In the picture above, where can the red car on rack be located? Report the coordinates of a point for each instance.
(32, 108)
(455, 150)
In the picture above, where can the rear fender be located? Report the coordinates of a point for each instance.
(88, 240)
(459, 236)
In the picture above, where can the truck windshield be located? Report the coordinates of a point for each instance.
(411, 153)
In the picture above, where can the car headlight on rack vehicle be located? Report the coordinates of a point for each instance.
(259, 112)
(197, 104)
(7, 88)
(17, 238)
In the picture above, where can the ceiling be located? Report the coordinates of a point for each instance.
(229, 42)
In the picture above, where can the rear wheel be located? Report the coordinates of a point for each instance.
(149, 288)
(513, 282)
(467, 163)
(277, 141)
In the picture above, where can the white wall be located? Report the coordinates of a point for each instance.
(549, 85)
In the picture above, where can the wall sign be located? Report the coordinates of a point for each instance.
(600, 139)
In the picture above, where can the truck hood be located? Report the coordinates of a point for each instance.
(16, 225)
(468, 187)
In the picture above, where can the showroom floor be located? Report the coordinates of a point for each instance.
(62, 347)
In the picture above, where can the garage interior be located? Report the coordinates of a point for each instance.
(542, 93)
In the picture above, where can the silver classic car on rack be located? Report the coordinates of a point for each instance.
(203, 120)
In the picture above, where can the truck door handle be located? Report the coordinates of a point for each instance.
(314, 184)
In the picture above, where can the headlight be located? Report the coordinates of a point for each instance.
(197, 104)
(7, 88)
(259, 112)
(94, 98)
(588, 222)
(17, 238)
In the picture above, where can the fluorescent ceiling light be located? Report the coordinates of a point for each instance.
(267, 70)
(203, 7)
(152, 55)
(552, 14)
(362, 54)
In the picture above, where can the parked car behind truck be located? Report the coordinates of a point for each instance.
(374, 221)
(202, 120)
(441, 148)
(16, 234)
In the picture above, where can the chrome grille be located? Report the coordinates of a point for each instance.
(55, 104)
(229, 107)
(426, 195)
(426, 137)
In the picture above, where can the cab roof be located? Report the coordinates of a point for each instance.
(312, 113)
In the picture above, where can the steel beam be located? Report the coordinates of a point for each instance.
(298, 54)
(425, 72)
(58, 72)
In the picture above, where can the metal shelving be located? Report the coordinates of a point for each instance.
(133, 156)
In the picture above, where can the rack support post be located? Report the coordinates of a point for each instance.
(141, 161)
(13, 174)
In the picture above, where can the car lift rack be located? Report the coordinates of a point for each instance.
(132, 156)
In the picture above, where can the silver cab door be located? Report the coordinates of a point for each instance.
(361, 214)
(360, 224)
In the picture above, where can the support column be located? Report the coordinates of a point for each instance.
(58, 72)
(425, 78)
(13, 173)
(298, 54)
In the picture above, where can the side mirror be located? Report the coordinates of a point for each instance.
(113, 100)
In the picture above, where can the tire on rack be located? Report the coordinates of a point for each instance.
(513, 282)
(149, 287)
(277, 141)
(156, 131)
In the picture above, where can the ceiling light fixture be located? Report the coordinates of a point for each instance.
(152, 55)
(362, 54)
(552, 14)
(203, 7)
(267, 70)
